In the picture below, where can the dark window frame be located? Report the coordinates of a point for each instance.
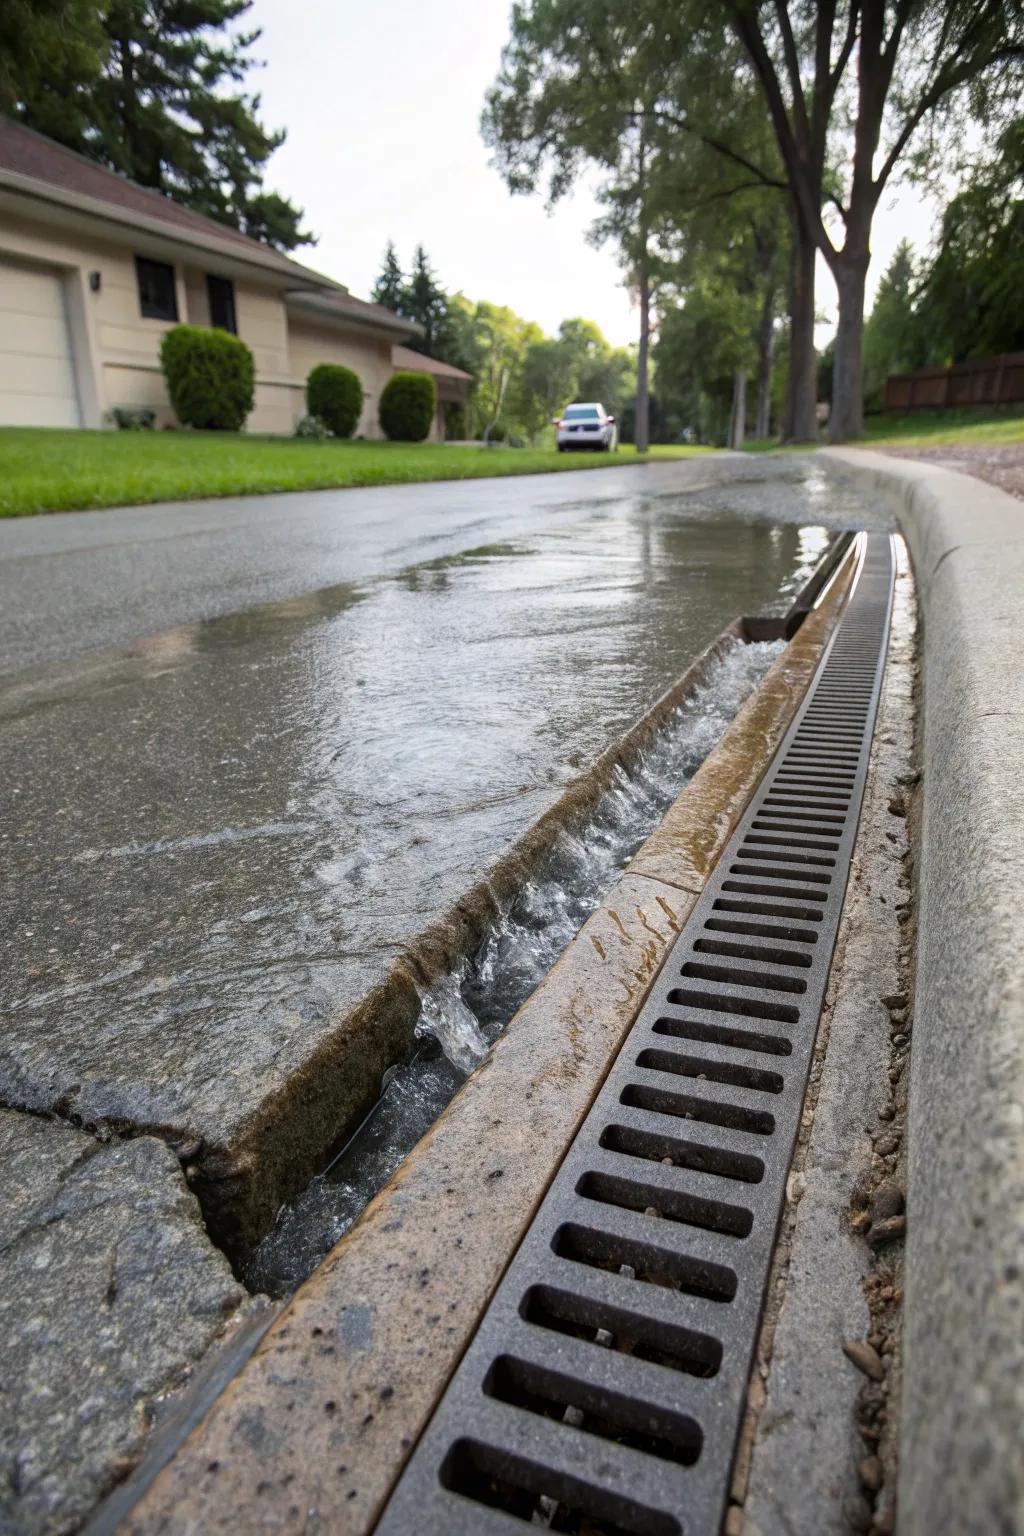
(225, 288)
(151, 304)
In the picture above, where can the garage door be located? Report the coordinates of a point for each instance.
(37, 377)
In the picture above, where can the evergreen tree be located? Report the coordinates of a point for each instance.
(49, 49)
(165, 109)
(893, 337)
(389, 289)
(425, 301)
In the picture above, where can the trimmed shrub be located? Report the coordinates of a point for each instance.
(127, 420)
(313, 428)
(407, 405)
(210, 377)
(335, 395)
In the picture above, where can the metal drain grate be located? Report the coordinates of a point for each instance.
(603, 1391)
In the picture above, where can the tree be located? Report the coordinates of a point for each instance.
(49, 50)
(732, 235)
(164, 109)
(893, 342)
(704, 344)
(550, 373)
(577, 87)
(611, 379)
(389, 289)
(493, 342)
(968, 303)
(424, 300)
(650, 94)
(892, 68)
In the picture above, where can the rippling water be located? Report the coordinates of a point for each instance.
(464, 1013)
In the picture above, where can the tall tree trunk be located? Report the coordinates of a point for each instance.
(765, 364)
(642, 410)
(642, 418)
(846, 418)
(738, 418)
(800, 419)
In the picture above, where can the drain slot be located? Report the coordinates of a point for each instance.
(649, 1255)
(672, 1152)
(629, 1333)
(643, 1425)
(665, 1204)
(514, 1484)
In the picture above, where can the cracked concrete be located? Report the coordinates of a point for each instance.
(111, 1291)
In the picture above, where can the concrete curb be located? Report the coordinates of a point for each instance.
(328, 1409)
(962, 1464)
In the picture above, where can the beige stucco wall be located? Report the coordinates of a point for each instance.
(117, 351)
(311, 342)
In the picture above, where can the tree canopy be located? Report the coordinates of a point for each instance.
(154, 89)
(821, 106)
(969, 298)
(848, 87)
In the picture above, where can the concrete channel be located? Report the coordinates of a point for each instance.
(437, 1239)
(886, 1386)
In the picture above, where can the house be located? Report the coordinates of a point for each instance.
(94, 269)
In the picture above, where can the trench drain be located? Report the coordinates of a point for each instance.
(605, 1386)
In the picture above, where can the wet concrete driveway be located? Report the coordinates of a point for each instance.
(217, 837)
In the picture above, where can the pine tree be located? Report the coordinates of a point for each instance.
(425, 301)
(165, 110)
(49, 50)
(389, 289)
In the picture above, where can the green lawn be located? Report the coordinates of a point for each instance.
(940, 429)
(926, 429)
(54, 471)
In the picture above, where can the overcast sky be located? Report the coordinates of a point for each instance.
(381, 102)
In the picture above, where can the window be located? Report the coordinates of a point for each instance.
(157, 297)
(582, 413)
(221, 293)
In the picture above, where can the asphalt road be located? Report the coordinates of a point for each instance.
(72, 583)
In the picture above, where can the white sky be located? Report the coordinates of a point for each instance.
(382, 102)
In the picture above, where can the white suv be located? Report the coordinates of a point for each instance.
(586, 426)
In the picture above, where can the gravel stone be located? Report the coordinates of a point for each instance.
(887, 1201)
(865, 1357)
(870, 1473)
(884, 1231)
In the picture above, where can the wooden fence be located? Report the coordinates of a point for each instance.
(988, 381)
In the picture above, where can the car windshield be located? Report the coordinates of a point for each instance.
(581, 413)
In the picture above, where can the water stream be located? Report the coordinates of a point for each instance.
(466, 1011)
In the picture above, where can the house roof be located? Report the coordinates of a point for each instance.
(340, 305)
(405, 357)
(39, 168)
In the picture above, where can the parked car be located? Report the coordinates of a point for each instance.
(586, 426)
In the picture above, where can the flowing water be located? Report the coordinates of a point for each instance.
(463, 1014)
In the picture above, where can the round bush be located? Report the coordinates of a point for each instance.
(210, 377)
(407, 405)
(335, 395)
